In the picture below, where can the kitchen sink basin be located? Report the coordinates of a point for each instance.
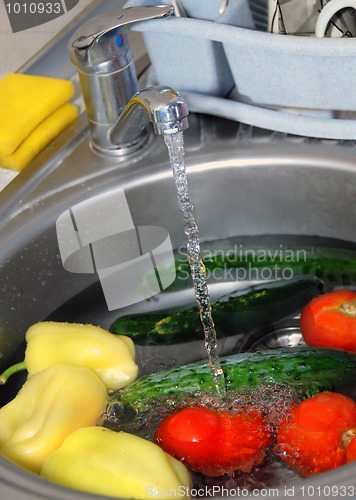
(243, 183)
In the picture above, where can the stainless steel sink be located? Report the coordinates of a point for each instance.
(243, 182)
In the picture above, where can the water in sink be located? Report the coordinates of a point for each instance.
(90, 307)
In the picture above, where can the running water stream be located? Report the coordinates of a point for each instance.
(175, 145)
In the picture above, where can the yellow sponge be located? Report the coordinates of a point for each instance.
(33, 111)
(40, 137)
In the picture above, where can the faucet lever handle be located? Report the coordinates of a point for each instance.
(93, 29)
(101, 52)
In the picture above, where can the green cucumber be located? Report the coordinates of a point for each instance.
(240, 312)
(307, 370)
(334, 266)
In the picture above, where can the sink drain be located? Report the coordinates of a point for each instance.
(287, 334)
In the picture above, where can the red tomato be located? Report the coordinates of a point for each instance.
(351, 450)
(310, 438)
(329, 320)
(215, 443)
(243, 439)
(189, 434)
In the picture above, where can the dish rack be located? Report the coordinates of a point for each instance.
(296, 85)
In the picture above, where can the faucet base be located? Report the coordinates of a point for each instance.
(122, 150)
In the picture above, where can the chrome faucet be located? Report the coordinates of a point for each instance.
(118, 113)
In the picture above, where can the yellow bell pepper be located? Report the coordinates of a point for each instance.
(117, 464)
(112, 357)
(49, 406)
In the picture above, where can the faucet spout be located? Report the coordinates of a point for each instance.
(162, 106)
(118, 113)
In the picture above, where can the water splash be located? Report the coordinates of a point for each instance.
(175, 146)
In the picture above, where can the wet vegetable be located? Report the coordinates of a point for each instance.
(314, 437)
(334, 266)
(215, 443)
(48, 407)
(330, 321)
(240, 312)
(111, 357)
(351, 449)
(307, 370)
(116, 464)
